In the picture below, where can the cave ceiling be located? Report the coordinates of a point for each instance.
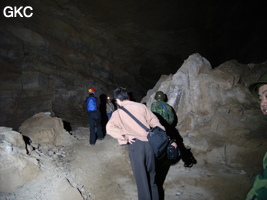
(142, 39)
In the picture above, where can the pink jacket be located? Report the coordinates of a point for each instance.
(123, 128)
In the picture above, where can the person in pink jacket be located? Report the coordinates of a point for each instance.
(123, 128)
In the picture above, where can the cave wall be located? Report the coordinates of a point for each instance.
(49, 61)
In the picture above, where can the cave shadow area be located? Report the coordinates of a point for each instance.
(163, 165)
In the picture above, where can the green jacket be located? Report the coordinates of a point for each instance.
(164, 110)
(259, 186)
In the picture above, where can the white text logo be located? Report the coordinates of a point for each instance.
(20, 11)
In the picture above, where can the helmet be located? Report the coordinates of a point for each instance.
(254, 87)
(91, 90)
(160, 96)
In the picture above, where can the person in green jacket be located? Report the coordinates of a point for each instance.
(258, 190)
(163, 109)
(166, 116)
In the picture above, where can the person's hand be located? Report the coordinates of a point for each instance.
(174, 144)
(131, 141)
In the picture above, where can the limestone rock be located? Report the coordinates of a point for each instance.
(43, 129)
(216, 105)
(16, 167)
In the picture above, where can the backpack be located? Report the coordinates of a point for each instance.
(164, 110)
(91, 104)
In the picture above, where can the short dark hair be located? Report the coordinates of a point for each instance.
(120, 93)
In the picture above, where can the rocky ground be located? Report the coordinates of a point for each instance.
(103, 172)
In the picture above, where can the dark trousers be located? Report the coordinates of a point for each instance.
(144, 170)
(163, 165)
(94, 120)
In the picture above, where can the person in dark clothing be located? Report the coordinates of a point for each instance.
(94, 117)
(168, 119)
(166, 116)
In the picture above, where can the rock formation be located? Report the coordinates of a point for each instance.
(46, 130)
(16, 167)
(217, 116)
(29, 161)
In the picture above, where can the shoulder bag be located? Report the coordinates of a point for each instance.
(156, 136)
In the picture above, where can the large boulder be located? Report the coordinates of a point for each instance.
(42, 129)
(217, 115)
(16, 167)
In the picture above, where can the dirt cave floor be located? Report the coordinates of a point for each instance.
(103, 172)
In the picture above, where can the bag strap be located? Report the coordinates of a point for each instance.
(134, 118)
